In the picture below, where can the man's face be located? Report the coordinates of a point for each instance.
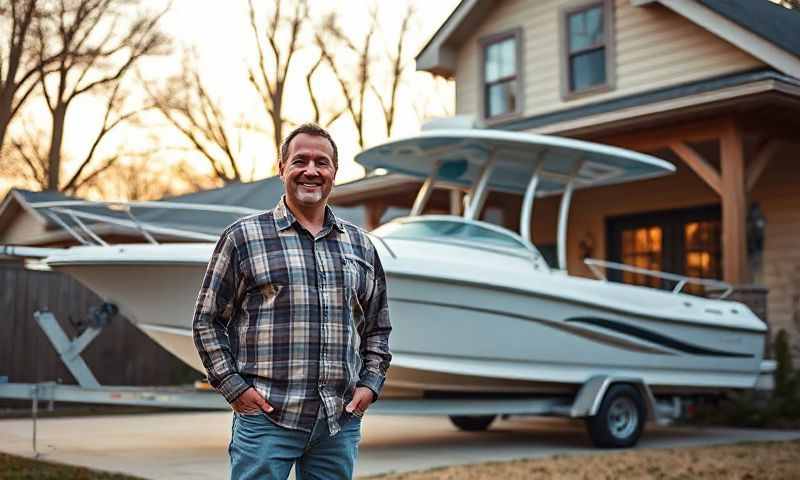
(308, 171)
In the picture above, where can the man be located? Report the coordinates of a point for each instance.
(292, 325)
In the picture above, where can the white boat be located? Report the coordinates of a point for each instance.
(475, 308)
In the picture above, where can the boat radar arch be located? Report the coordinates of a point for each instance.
(481, 160)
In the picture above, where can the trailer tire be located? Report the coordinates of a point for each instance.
(620, 420)
(472, 423)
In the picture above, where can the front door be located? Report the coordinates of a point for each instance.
(686, 242)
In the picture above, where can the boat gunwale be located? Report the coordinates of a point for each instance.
(589, 303)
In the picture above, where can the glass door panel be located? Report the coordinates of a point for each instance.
(642, 248)
(702, 255)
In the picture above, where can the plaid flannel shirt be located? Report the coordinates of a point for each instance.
(302, 319)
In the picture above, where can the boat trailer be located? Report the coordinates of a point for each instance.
(615, 408)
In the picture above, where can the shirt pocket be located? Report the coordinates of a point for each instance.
(269, 279)
(357, 276)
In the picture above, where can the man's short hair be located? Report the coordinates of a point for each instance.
(309, 129)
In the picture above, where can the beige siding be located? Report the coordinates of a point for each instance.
(779, 197)
(22, 230)
(655, 48)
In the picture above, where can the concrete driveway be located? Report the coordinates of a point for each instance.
(194, 445)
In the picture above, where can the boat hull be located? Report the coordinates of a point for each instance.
(470, 337)
(459, 328)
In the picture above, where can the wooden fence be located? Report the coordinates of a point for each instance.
(120, 355)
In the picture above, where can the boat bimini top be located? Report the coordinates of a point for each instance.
(480, 160)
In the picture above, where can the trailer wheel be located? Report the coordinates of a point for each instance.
(474, 423)
(620, 420)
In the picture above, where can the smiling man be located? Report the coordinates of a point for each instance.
(292, 325)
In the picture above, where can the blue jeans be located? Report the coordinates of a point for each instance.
(262, 450)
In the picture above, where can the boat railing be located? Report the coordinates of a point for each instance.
(83, 232)
(681, 281)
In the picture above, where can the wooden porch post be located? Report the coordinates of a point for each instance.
(734, 205)
(456, 202)
(375, 211)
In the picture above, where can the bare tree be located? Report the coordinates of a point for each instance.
(20, 61)
(96, 44)
(27, 155)
(112, 118)
(135, 179)
(397, 64)
(322, 116)
(186, 103)
(435, 96)
(353, 87)
(26, 158)
(275, 55)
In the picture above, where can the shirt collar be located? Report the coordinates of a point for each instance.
(284, 218)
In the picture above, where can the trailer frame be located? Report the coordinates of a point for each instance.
(587, 403)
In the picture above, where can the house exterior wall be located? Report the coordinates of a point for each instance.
(22, 230)
(654, 46)
(778, 195)
(591, 208)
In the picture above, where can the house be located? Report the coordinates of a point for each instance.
(712, 86)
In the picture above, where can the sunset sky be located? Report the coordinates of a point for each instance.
(223, 39)
(220, 34)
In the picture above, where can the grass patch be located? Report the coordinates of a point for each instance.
(20, 468)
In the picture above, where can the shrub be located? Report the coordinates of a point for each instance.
(751, 409)
(787, 380)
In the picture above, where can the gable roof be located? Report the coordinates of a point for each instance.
(765, 30)
(20, 200)
(256, 195)
(770, 21)
(259, 195)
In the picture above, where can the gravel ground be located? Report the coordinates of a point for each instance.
(772, 460)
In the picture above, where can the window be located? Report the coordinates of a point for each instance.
(501, 79)
(586, 41)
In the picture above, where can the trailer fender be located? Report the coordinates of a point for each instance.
(587, 401)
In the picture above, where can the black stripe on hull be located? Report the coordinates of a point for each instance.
(655, 338)
(629, 344)
(662, 341)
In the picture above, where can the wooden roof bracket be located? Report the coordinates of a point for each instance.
(698, 164)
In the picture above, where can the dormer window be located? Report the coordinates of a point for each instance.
(586, 33)
(501, 78)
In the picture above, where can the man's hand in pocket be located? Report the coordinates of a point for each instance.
(251, 403)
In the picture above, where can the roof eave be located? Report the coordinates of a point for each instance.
(704, 95)
(438, 56)
(434, 64)
(347, 194)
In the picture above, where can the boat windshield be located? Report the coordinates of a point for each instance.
(453, 229)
